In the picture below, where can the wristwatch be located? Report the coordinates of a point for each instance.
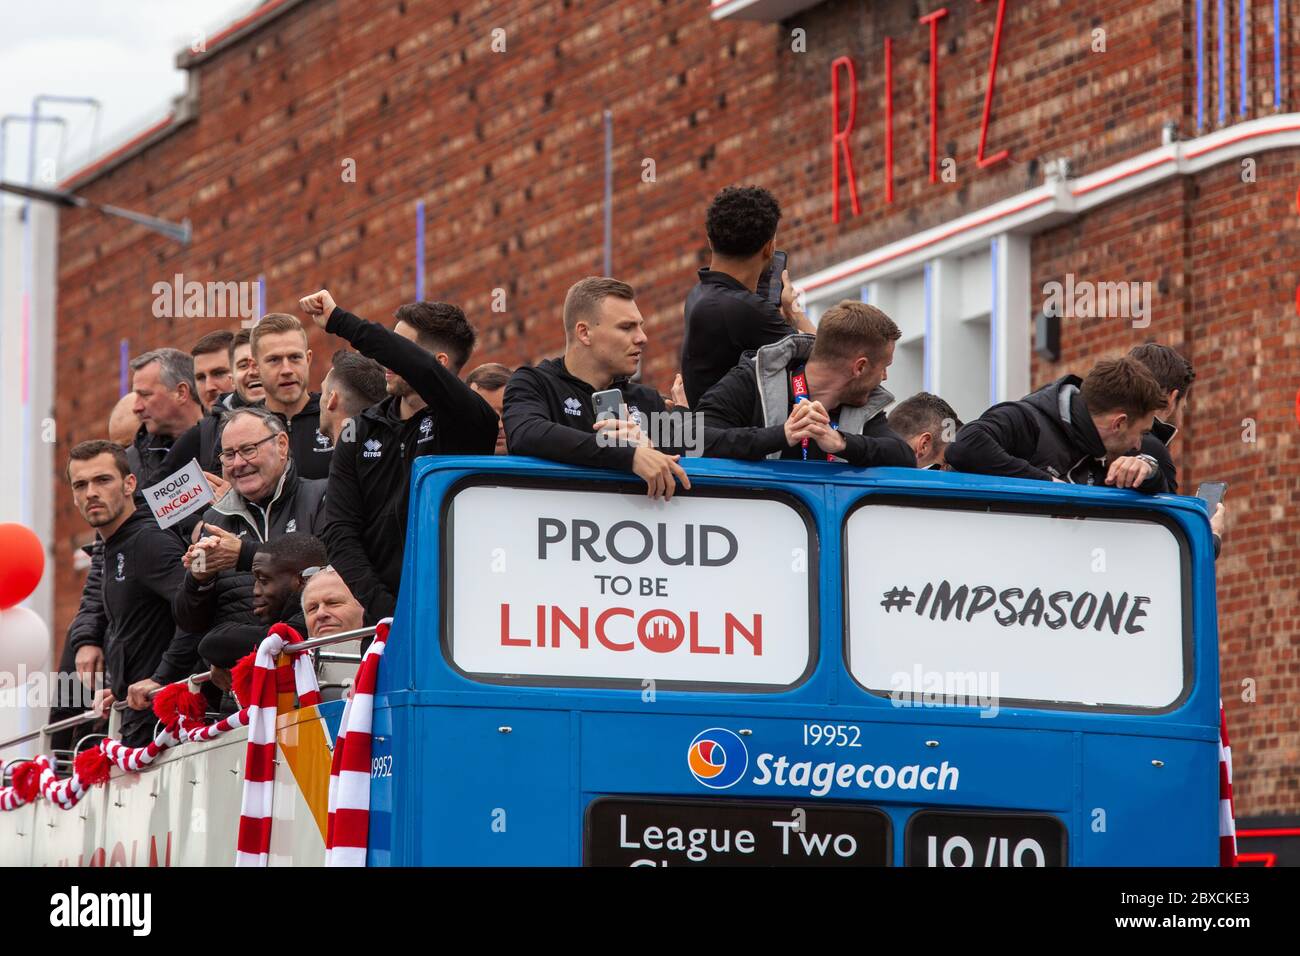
(1155, 466)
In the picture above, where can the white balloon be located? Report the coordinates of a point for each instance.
(24, 642)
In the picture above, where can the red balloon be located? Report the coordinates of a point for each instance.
(22, 562)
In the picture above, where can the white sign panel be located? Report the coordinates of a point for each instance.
(1012, 606)
(602, 585)
(179, 495)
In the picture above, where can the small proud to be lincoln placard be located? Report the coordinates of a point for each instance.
(179, 495)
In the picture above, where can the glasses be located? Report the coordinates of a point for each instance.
(247, 452)
(308, 572)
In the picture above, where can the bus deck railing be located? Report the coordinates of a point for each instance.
(62, 763)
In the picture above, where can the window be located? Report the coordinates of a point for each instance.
(954, 312)
(552, 583)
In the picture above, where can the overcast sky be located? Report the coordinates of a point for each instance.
(121, 52)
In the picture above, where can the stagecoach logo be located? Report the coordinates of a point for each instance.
(323, 442)
(121, 567)
(426, 430)
(572, 406)
(373, 448)
(717, 758)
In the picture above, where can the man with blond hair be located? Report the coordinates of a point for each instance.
(283, 360)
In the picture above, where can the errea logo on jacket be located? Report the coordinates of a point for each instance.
(373, 448)
(572, 406)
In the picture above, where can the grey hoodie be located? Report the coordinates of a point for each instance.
(745, 413)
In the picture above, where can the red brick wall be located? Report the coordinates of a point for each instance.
(506, 151)
(1230, 307)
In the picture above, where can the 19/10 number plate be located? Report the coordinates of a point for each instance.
(662, 832)
(950, 839)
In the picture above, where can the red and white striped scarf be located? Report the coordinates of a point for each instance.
(349, 789)
(275, 677)
(1227, 816)
(348, 831)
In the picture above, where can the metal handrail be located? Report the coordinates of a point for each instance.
(325, 657)
(341, 638)
(77, 720)
(203, 677)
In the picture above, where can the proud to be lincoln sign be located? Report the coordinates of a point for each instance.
(607, 586)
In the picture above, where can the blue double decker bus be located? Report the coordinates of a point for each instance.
(794, 665)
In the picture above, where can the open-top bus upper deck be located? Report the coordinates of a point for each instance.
(788, 664)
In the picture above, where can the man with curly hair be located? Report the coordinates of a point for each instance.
(727, 313)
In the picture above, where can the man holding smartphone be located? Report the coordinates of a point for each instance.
(550, 408)
(743, 300)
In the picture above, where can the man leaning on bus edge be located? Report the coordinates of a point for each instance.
(548, 408)
(928, 424)
(1175, 375)
(1081, 431)
(811, 397)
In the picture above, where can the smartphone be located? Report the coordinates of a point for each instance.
(1212, 492)
(607, 404)
(774, 270)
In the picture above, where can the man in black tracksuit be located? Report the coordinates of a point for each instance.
(1082, 431)
(548, 409)
(267, 500)
(728, 312)
(142, 570)
(429, 411)
(811, 398)
(310, 448)
(1175, 375)
(87, 630)
(284, 365)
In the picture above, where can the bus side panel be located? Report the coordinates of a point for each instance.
(980, 767)
(388, 766)
(488, 796)
(1134, 813)
(16, 836)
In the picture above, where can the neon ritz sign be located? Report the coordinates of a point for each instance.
(841, 131)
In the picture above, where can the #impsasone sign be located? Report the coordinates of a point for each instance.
(1032, 607)
(552, 583)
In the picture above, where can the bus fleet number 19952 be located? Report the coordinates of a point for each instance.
(831, 735)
